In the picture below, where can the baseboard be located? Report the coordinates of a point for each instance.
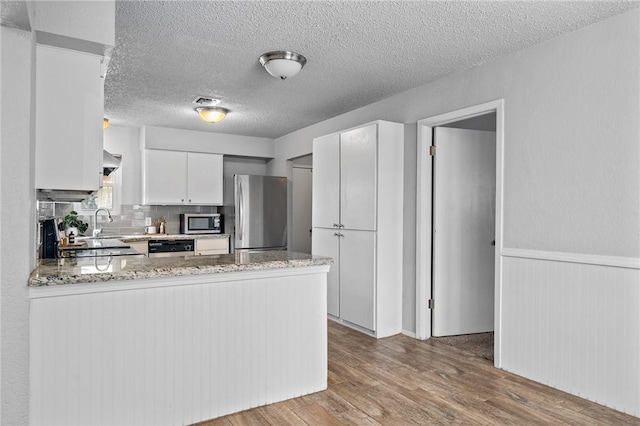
(408, 333)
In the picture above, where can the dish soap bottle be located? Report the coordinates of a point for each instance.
(162, 227)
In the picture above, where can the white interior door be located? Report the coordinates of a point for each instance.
(463, 231)
(301, 210)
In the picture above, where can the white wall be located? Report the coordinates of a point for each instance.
(17, 219)
(572, 181)
(217, 143)
(125, 141)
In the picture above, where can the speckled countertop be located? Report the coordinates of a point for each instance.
(52, 272)
(145, 237)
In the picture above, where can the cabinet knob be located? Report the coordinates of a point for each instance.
(182, 200)
(341, 226)
(189, 199)
(335, 225)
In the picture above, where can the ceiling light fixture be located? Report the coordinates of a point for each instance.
(105, 123)
(282, 64)
(209, 110)
(212, 114)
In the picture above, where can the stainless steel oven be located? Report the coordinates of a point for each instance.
(201, 223)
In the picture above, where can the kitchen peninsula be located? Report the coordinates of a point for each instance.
(136, 340)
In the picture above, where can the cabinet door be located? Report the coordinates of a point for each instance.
(357, 278)
(165, 177)
(326, 181)
(69, 110)
(325, 243)
(141, 246)
(358, 184)
(204, 178)
(205, 246)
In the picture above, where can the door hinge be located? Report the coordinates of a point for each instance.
(432, 150)
(430, 303)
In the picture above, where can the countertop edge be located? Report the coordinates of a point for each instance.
(61, 278)
(44, 291)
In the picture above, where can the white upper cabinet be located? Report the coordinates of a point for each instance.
(165, 177)
(175, 177)
(69, 112)
(326, 182)
(204, 178)
(358, 182)
(344, 176)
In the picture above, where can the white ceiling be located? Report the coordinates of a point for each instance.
(168, 53)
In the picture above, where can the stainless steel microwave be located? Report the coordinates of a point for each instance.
(201, 223)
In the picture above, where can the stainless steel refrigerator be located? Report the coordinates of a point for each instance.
(260, 213)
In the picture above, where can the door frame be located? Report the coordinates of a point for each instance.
(424, 207)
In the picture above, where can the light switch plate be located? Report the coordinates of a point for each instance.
(147, 221)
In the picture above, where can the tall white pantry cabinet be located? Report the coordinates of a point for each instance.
(357, 220)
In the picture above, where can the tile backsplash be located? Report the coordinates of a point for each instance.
(129, 221)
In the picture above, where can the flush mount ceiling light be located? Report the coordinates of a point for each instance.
(105, 123)
(209, 110)
(282, 64)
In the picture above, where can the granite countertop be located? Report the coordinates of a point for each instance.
(146, 237)
(52, 272)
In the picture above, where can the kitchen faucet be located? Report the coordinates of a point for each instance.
(97, 231)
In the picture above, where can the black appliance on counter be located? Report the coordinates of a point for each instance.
(49, 238)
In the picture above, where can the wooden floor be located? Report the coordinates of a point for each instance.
(403, 381)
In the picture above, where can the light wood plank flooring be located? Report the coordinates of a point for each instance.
(403, 381)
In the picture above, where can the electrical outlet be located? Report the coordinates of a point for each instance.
(147, 221)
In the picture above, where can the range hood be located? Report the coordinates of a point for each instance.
(62, 195)
(110, 162)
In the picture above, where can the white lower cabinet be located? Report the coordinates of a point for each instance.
(357, 277)
(326, 243)
(351, 283)
(140, 246)
(206, 246)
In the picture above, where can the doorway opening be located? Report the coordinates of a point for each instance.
(301, 185)
(441, 260)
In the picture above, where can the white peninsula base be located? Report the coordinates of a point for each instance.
(176, 350)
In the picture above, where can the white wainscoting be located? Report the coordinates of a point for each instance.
(176, 354)
(573, 322)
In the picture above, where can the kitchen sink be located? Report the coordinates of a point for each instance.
(101, 252)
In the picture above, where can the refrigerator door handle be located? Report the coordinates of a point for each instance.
(239, 204)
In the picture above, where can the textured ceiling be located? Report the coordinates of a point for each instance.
(169, 52)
